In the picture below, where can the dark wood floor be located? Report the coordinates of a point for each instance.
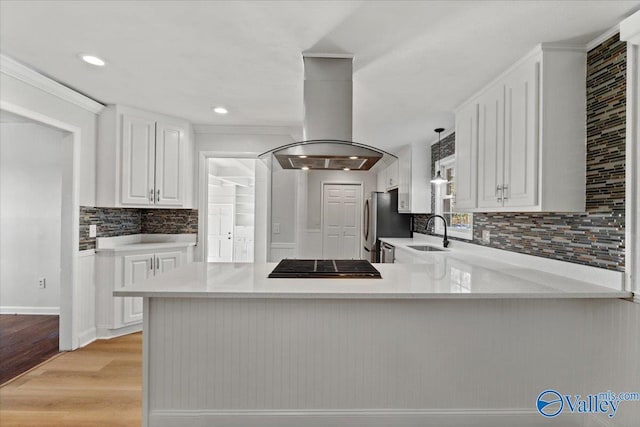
(26, 341)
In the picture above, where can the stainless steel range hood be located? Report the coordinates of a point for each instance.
(327, 128)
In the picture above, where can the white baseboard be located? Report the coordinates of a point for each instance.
(103, 333)
(87, 337)
(50, 311)
(357, 418)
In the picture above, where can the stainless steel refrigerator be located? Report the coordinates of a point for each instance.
(381, 219)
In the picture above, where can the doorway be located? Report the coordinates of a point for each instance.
(33, 165)
(70, 291)
(230, 209)
(341, 225)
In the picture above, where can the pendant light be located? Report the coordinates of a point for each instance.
(438, 179)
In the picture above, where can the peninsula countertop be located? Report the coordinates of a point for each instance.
(445, 277)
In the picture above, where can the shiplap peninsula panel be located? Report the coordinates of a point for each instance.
(248, 361)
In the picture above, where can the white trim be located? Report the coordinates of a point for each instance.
(50, 311)
(106, 333)
(283, 245)
(87, 337)
(13, 68)
(603, 37)
(630, 31)
(356, 417)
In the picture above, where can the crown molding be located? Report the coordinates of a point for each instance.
(630, 29)
(15, 69)
(603, 37)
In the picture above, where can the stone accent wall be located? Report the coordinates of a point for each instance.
(595, 238)
(170, 221)
(112, 222)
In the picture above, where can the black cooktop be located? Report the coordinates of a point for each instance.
(325, 268)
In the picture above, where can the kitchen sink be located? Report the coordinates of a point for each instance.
(426, 248)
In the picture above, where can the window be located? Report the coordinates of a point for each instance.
(460, 224)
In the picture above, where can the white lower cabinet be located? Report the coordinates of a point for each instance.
(116, 270)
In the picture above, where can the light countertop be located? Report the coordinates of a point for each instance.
(144, 242)
(445, 277)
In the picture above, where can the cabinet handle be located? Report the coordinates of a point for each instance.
(151, 262)
(151, 195)
(158, 196)
(499, 193)
(157, 263)
(504, 190)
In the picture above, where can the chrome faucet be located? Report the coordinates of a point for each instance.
(445, 241)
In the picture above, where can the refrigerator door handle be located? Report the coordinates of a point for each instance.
(366, 220)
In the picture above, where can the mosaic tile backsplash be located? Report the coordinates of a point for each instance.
(595, 238)
(125, 221)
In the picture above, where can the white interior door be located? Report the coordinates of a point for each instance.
(220, 239)
(341, 231)
(137, 268)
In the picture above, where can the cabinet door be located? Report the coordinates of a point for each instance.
(392, 175)
(521, 136)
(466, 157)
(491, 147)
(170, 143)
(137, 268)
(381, 180)
(167, 261)
(404, 180)
(138, 160)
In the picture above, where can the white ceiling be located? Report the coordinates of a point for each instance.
(414, 61)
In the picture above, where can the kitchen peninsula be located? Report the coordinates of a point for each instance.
(226, 346)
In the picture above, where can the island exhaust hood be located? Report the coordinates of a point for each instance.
(327, 127)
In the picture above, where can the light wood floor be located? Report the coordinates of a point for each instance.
(98, 385)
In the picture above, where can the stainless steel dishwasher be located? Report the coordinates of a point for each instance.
(387, 252)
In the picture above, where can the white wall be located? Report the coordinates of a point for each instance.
(30, 217)
(26, 96)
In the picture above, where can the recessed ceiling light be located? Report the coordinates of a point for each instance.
(354, 157)
(305, 168)
(220, 110)
(93, 60)
(302, 157)
(346, 169)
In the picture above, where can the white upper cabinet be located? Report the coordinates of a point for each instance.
(490, 147)
(526, 151)
(138, 160)
(466, 154)
(170, 147)
(144, 160)
(392, 176)
(414, 182)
